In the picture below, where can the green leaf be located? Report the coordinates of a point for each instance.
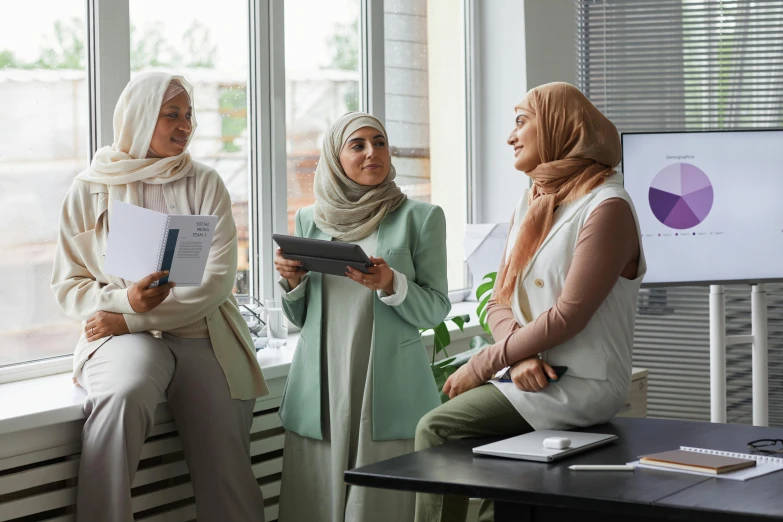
(441, 375)
(442, 369)
(486, 287)
(461, 358)
(478, 342)
(482, 312)
(483, 305)
(484, 294)
(460, 321)
(442, 337)
(483, 289)
(483, 322)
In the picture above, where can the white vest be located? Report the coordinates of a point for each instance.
(599, 357)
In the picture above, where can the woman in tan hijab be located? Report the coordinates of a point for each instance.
(141, 343)
(565, 294)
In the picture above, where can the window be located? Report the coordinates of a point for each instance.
(207, 44)
(47, 114)
(322, 84)
(43, 145)
(424, 54)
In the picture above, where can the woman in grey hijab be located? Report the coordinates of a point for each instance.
(360, 380)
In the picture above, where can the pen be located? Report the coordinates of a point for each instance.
(603, 467)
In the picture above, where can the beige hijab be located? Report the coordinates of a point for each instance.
(128, 159)
(344, 209)
(579, 149)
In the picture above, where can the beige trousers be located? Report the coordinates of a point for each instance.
(125, 380)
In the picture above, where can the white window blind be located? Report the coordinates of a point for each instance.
(689, 65)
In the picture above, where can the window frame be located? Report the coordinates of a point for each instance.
(108, 72)
(471, 107)
(372, 64)
(267, 154)
(108, 65)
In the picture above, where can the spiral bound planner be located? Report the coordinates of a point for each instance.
(764, 465)
(142, 241)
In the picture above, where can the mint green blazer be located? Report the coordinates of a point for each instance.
(412, 240)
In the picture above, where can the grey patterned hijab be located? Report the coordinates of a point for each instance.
(344, 209)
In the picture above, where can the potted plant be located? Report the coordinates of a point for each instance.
(445, 367)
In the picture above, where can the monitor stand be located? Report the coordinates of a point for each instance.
(719, 341)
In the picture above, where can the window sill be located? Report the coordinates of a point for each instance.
(55, 399)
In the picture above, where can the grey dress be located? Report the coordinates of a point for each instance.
(312, 488)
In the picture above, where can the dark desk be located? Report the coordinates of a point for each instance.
(533, 491)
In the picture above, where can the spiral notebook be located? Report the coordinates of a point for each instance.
(764, 465)
(142, 241)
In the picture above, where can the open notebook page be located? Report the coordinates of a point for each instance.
(135, 234)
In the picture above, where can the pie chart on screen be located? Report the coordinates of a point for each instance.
(681, 196)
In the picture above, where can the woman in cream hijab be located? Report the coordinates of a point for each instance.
(360, 380)
(141, 343)
(565, 294)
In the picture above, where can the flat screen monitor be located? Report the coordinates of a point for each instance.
(710, 205)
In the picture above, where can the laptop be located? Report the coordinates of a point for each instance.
(530, 446)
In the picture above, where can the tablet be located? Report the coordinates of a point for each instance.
(326, 257)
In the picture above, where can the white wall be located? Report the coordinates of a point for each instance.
(519, 45)
(550, 37)
(448, 156)
(500, 83)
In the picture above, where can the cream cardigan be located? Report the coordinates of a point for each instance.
(82, 288)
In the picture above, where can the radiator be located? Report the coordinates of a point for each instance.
(40, 485)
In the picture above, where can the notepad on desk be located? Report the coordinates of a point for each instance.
(711, 463)
(695, 461)
(142, 241)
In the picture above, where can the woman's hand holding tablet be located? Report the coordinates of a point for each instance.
(326, 257)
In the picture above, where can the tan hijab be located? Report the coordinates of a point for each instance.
(579, 149)
(344, 209)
